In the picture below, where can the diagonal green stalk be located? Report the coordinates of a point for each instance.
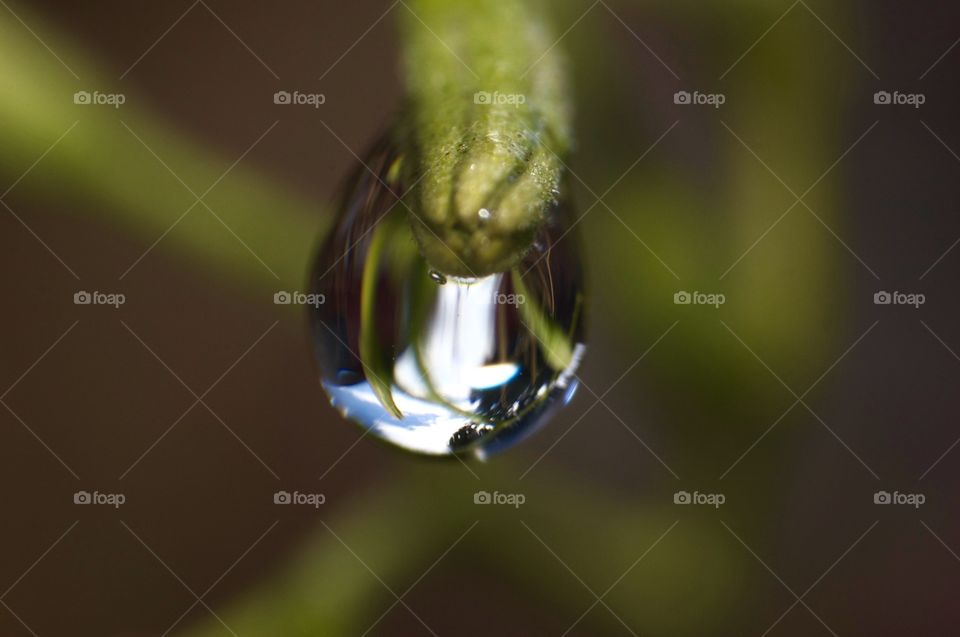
(378, 363)
(125, 165)
(557, 346)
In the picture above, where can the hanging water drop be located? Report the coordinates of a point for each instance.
(471, 365)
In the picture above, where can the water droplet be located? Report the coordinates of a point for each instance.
(470, 366)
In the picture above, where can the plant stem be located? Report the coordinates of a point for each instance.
(487, 121)
(106, 164)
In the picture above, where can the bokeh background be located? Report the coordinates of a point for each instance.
(797, 400)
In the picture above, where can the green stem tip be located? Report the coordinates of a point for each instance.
(486, 123)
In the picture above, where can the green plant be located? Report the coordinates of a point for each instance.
(486, 122)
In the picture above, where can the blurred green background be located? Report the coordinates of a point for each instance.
(199, 198)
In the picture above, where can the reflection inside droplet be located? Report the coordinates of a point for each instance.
(438, 364)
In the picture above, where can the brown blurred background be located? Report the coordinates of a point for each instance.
(597, 499)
